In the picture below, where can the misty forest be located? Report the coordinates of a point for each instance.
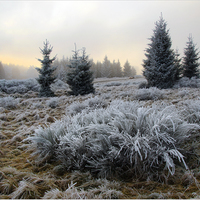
(76, 129)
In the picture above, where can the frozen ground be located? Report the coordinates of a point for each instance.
(22, 113)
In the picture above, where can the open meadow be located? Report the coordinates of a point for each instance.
(121, 142)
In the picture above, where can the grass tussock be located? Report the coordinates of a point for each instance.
(123, 139)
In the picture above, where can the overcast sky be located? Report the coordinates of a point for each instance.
(118, 29)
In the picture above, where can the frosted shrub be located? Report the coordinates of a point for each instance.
(152, 93)
(96, 102)
(53, 102)
(187, 82)
(59, 85)
(101, 192)
(87, 105)
(37, 105)
(70, 193)
(142, 85)
(122, 139)
(19, 86)
(8, 102)
(17, 89)
(191, 111)
(112, 84)
(183, 93)
(45, 141)
(25, 190)
(76, 107)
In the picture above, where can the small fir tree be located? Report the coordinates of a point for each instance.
(80, 78)
(190, 60)
(46, 77)
(160, 67)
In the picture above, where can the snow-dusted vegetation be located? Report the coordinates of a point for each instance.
(188, 82)
(123, 139)
(18, 86)
(116, 143)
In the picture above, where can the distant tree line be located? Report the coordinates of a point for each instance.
(12, 71)
(112, 69)
(100, 69)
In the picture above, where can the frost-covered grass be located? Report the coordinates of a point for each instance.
(59, 85)
(26, 190)
(149, 94)
(8, 102)
(191, 111)
(19, 86)
(110, 132)
(53, 102)
(87, 105)
(187, 82)
(112, 84)
(122, 139)
(24, 86)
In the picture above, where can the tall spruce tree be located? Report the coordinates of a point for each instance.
(80, 78)
(46, 77)
(190, 60)
(160, 67)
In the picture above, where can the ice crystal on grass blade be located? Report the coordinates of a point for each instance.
(123, 139)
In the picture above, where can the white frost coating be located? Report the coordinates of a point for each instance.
(122, 136)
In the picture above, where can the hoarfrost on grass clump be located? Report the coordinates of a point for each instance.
(152, 93)
(72, 192)
(112, 84)
(183, 92)
(191, 111)
(37, 105)
(193, 82)
(45, 141)
(59, 85)
(26, 190)
(9, 102)
(123, 139)
(19, 86)
(53, 102)
(143, 85)
(87, 105)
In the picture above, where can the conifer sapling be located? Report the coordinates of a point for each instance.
(80, 78)
(46, 77)
(190, 60)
